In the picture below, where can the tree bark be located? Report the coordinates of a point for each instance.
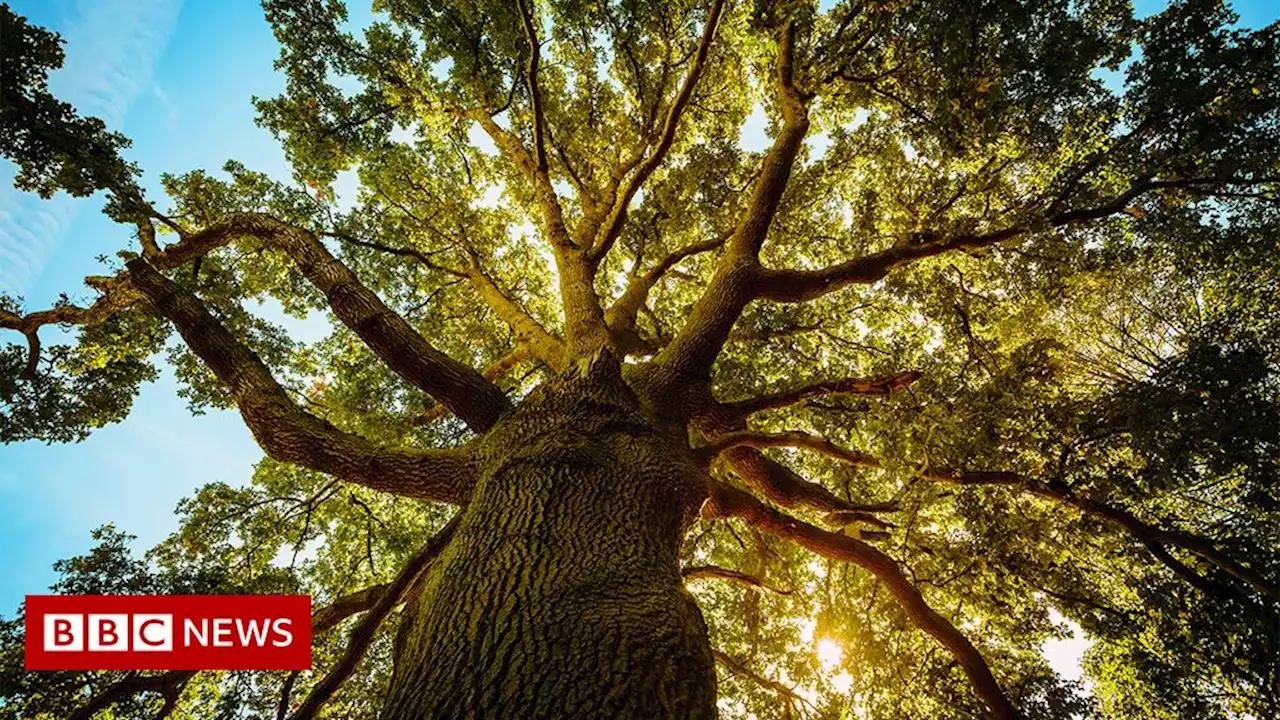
(560, 596)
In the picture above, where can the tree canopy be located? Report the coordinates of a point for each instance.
(985, 340)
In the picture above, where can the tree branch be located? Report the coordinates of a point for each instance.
(879, 387)
(585, 329)
(32, 370)
(168, 685)
(285, 431)
(774, 485)
(405, 351)
(547, 347)
(612, 226)
(1155, 539)
(727, 501)
(535, 95)
(690, 355)
(495, 370)
(782, 485)
(331, 615)
(528, 331)
(67, 314)
(711, 572)
(737, 668)
(363, 634)
(726, 428)
(286, 691)
(173, 681)
(794, 438)
(458, 386)
(783, 285)
(544, 193)
(621, 316)
(802, 285)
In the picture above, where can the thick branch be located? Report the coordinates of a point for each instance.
(458, 386)
(492, 372)
(455, 384)
(800, 285)
(529, 331)
(622, 314)
(1156, 540)
(544, 193)
(783, 486)
(331, 615)
(689, 356)
(168, 684)
(730, 502)
(285, 431)
(729, 437)
(32, 370)
(585, 329)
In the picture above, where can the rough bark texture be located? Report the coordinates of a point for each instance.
(287, 432)
(560, 596)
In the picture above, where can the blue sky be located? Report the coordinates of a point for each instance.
(176, 76)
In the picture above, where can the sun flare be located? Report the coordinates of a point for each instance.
(830, 654)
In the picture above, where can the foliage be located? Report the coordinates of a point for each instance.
(1087, 204)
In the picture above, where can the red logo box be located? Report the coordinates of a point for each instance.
(168, 632)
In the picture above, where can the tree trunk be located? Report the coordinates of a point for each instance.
(560, 594)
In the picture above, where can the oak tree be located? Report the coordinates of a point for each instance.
(620, 416)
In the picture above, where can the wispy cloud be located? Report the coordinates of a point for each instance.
(112, 49)
(171, 110)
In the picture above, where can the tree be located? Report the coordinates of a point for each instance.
(986, 334)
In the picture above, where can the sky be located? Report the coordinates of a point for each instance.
(176, 76)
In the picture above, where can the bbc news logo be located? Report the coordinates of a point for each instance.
(168, 632)
(143, 632)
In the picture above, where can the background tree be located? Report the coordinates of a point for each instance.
(978, 338)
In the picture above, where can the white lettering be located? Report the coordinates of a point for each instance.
(251, 633)
(109, 633)
(222, 630)
(280, 627)
(201, 633)
(63, 632)
(153, 632)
